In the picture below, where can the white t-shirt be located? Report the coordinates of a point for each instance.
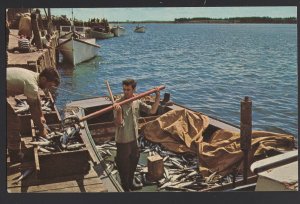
(22, 81)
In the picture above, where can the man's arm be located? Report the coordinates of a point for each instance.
(156, 103)
(37, 115)
(118, 118)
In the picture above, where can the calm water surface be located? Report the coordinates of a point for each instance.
(207, 67)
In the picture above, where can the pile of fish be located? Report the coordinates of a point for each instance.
(181, 171)
(46, 105)
(22, 106)
(67, 139)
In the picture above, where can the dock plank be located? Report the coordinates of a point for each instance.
(90, 182)
(35, 61)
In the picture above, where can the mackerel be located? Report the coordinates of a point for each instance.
(23, 176)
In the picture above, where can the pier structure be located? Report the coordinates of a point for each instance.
(35, 61)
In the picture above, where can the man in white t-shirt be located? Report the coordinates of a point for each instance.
(23, 81)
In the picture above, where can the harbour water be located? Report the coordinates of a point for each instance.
(206, 67)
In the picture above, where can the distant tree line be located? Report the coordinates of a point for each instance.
(290, 20)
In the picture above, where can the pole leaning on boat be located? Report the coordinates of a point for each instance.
(109, 108)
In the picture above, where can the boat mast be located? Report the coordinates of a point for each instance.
(72, 22)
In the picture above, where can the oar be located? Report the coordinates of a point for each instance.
(110, 93)
(109, 108)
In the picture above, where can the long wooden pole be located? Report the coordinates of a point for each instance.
(110, 93)
(109, 108)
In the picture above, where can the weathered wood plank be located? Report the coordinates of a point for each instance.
(75, 188)
(33, 180)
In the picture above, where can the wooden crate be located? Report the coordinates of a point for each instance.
(155, 168)
(59, 164)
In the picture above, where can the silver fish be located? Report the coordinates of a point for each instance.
(170, 183)
(167, 173)
(165, 158)
(42, 143)
(210, 177)
(23, 176)
(43, 149)
(74, 146)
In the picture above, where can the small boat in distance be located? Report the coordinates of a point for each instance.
(118, 30)
(140, 29)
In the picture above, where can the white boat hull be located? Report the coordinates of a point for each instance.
(139, 29)
(76, 51)
(118, 31)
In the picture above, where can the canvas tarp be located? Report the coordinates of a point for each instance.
(181, 131)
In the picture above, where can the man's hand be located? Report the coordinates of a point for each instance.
(43, 133)
(43, 120)
(117, 107)
(157, 92)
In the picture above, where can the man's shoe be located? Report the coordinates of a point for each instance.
(135, 186)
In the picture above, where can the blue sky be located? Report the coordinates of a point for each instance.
(169, 14)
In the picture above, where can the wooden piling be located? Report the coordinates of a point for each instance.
(245, 133)
(36, 32)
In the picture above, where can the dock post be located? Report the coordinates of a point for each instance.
(246, 133)
(36, 32)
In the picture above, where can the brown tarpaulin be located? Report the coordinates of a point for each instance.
(181, 131)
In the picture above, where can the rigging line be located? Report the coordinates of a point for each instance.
(74, 93)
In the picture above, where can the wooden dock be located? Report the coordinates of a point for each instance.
(55, 172)
(89, 182)
(35, 61)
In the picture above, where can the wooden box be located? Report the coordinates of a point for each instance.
(59, 164)
(155, 168)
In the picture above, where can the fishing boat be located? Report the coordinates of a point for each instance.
(140, 29)
(118, 30)
(278, 173)
(66, 31)
(190, 163)
(76, 50)
(99, 32)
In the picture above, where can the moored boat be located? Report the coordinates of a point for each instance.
(99, 33)
(75, 50)
(118, 30)
(81, 30)
(199, 152)
(140, 29)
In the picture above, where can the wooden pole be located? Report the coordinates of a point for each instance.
(36, 32)
(110, 93)
(246, 132)
(109, 108)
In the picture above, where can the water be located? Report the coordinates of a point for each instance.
(207, 67)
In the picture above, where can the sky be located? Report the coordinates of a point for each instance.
(170, 13)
